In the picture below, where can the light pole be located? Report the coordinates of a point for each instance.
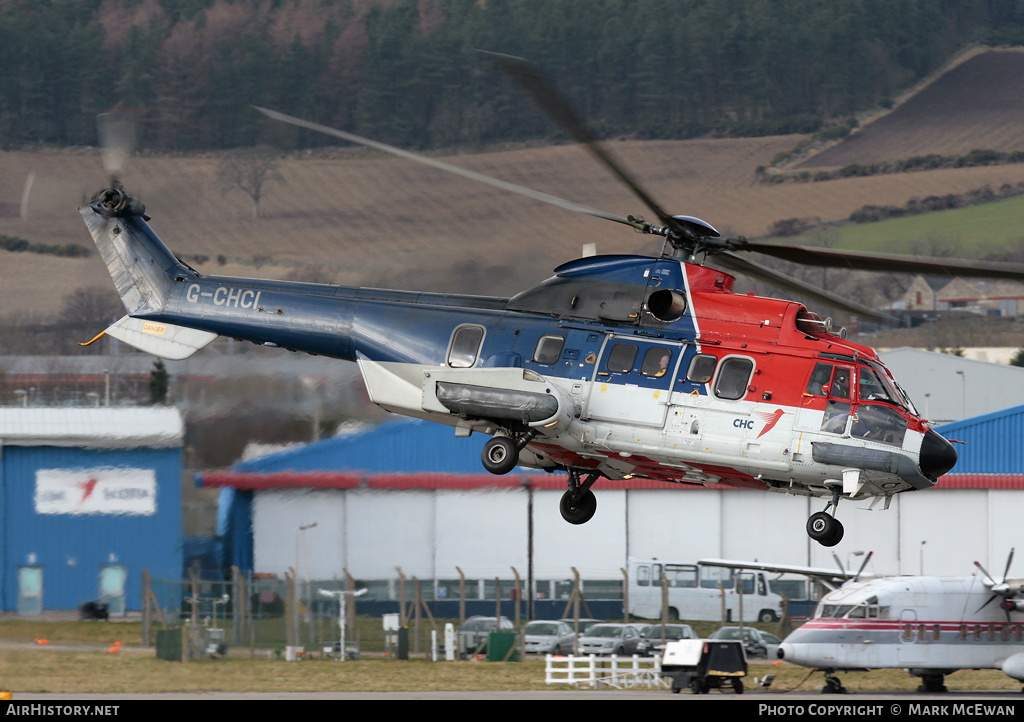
(963, 394)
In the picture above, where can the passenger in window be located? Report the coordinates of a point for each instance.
(656, 362)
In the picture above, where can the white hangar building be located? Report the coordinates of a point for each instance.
(408, 495)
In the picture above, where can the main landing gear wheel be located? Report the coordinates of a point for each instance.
(824, 529)
(578, 508)
(500, 455)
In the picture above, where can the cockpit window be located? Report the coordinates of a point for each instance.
(871, 388)
(879, 423)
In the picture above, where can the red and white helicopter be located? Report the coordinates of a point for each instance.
(616, 367)
(930, 626)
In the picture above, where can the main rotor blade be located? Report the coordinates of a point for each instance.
(531, 79)
(441, 165)
(756, 270)
(893, 262)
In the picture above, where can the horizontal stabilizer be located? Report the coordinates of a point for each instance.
(160, 339)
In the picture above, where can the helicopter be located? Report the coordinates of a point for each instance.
(616, 367)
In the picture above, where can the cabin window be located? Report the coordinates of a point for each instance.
(733, 375)
(548, 350)
(465, 346)
(681, 576)
(702, 368)
(621, 358)
(711, 577)
(656, 362)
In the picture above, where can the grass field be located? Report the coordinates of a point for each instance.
(77, 658)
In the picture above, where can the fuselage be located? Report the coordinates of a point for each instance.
(621, 365)
(926, 624)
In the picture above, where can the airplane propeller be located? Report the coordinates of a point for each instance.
(687, 236)
(1000, 589)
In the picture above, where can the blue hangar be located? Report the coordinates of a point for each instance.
(89, 498)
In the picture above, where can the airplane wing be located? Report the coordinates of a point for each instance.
(831, 578)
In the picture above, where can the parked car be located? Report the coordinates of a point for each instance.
(548, 636)
(584, 624)
(654, 637)
(608, 638)
(473, 633)
(758, 644)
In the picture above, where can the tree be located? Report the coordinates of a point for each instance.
(249, 170)
(159, 383)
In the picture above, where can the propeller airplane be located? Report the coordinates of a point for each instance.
(616, 367)
(930, 626)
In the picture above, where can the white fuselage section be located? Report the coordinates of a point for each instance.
(936, 624)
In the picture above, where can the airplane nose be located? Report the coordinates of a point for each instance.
(937, 455)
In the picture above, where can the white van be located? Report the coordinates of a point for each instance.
(699, 593)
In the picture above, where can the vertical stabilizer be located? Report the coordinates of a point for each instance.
(143, 268)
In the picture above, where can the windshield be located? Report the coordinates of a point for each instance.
(654, 632)
(542, 628)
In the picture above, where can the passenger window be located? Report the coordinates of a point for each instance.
(702, 368)
(548, 350)
(732, 378)
(621, 358)
(465, 346)
(656, 362)
(643, 576)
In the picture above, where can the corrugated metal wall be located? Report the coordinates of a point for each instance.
(991, 444)
(71, 549)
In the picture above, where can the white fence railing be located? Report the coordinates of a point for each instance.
(614, 671)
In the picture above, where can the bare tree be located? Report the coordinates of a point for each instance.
(249, 170)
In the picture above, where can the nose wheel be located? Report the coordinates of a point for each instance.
(578, 504)
(823, 527)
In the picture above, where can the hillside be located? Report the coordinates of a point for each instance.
(360, 219)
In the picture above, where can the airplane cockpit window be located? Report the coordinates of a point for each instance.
(621, 358)
(851, 611)
(655, 363)
(465, 346)
(879, 423)
(733, 375)
(548, 350)
(702, 368)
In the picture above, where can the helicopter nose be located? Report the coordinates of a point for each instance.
(937, 455)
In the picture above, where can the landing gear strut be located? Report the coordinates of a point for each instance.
(823, 527)
(832, 685)
(579, 504)
(501, 453)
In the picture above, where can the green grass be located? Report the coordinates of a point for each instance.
(78, 660)
(971, 232)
